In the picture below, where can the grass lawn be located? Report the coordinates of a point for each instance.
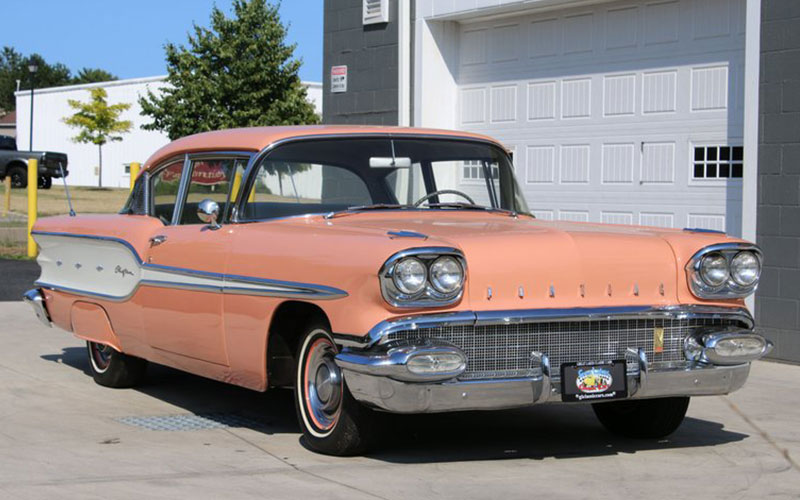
(84, 199)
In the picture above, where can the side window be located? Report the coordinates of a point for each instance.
(212, 179)
(285, 188)
(164, 190)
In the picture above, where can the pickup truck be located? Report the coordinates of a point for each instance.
(14, 163)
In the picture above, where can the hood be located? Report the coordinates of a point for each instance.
(521, 263)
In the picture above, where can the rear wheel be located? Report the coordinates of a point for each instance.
(333, 422)
(112, 368)
(645, 418)
(19, 177)
(45, 182)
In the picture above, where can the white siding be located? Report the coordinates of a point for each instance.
(50, 133)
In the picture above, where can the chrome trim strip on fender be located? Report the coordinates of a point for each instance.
(207, 281)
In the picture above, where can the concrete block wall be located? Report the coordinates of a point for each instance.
(778, 227)
(370, 54)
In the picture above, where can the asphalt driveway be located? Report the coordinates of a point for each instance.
(16, 277)
(181, 436)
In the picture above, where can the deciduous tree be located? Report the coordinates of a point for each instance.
(98, 122)
(240, 72)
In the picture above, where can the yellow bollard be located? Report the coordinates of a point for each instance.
(33, 186)
(134, 173)
(7, 196)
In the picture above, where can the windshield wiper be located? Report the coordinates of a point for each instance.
(470, 206)
(363, 208)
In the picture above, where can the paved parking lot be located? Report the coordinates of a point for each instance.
(62, 436)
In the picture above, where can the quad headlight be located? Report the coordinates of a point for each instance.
(724, 271)
(423, 277)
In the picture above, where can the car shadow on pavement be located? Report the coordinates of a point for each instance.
(548, 431)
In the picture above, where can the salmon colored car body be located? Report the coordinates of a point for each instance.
(398, 270)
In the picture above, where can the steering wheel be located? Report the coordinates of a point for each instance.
(443, 191)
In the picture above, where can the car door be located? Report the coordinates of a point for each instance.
(186, 261)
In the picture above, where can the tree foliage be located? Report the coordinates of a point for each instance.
(98, 122)
(239, 73)
(14, 66)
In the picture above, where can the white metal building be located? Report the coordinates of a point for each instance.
(50, 133)
(627, 112)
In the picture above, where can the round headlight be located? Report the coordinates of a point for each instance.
(447, 276)
(409, 276)
(745, 269)
(714, 269)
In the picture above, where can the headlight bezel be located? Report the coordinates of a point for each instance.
(429, 296)
(731, 288)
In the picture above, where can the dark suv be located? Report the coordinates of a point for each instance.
(14, 164)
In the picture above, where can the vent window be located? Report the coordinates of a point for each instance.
(375, 11)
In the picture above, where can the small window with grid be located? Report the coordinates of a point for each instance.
(718, 162)
(472, 171)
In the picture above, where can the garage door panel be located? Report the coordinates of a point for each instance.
(605, 106)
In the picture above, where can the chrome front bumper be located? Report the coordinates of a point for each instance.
(377, 374)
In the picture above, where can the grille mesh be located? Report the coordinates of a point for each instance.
(504, 351)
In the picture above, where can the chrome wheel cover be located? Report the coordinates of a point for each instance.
(322, 384)
(100, 356)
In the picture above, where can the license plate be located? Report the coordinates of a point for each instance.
(594, 381)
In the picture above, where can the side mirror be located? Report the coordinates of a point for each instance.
(208, 213)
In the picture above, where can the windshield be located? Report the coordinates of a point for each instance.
(332, 175)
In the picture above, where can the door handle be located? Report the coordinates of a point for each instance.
(157, 240)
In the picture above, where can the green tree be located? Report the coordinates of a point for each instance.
(98, 122)
(14, 66)
(238, 73)
(93, 75)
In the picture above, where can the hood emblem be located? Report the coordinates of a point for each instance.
(406, 234)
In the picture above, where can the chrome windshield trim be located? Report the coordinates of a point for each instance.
(479, 318)
(256, 159)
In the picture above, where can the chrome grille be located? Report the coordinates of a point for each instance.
(504, 351)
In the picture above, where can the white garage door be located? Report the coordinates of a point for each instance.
(625, 112)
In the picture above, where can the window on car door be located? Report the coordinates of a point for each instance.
(165, 184)
(216, 179)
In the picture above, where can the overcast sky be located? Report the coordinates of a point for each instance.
(127, 37)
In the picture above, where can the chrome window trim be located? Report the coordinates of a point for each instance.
(429, 296)
(249, 175)
(183, 188)
(730, 289)
(377, 334)
(151, 173)
(217, 155)
(271, 287)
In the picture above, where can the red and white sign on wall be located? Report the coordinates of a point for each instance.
(338, 79)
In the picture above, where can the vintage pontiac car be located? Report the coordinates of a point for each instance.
(398, 270)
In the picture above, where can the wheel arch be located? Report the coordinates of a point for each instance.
(283, 338)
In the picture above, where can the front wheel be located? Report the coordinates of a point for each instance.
(45, 182)
(333, 422)
(645, 418)
(112, 368)
(19, 177)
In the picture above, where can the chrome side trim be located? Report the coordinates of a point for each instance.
(213, 282)
(472, 318)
